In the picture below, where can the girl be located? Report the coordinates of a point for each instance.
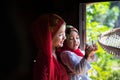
(76, 63)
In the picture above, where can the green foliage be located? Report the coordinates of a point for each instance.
(101, 12)
(101, 18)
(115, 75)
(112, 15)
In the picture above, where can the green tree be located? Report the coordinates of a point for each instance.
(100, 18)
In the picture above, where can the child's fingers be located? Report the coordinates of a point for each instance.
(89, 48)
(95, 47)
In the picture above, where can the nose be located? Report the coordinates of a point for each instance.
(64, 37)
(75, 40)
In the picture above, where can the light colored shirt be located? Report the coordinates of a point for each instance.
(76, 64)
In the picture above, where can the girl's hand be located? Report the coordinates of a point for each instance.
(95, 47)
(90, 51)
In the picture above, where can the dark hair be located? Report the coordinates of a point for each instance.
(70, 28)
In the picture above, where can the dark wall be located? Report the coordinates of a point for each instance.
(67, 10)
(17, 52)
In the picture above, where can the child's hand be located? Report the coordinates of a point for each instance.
(90, 51)
(95, 47)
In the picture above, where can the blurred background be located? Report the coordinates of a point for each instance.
(102, 17)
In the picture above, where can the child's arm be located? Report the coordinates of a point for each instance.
(75, 64)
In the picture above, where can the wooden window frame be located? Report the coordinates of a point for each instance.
(82, 25)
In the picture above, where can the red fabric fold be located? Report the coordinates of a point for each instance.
(46, 67)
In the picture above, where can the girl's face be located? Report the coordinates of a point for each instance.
(59, 37)
(73, 40)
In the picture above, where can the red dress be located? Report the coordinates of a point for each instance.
(41, 72)
(46, 66)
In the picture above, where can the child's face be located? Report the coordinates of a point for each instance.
(59, 37)
(73, 40)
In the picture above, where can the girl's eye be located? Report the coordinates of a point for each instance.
(77, 37)
(71, 38)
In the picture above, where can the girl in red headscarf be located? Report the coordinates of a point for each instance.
(48, 32)
(76, 63)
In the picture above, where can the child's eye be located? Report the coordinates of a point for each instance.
(71, 38)
(77, 37)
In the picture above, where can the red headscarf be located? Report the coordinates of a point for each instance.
(46, 66)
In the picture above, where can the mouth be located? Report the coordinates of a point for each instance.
(76, 44)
